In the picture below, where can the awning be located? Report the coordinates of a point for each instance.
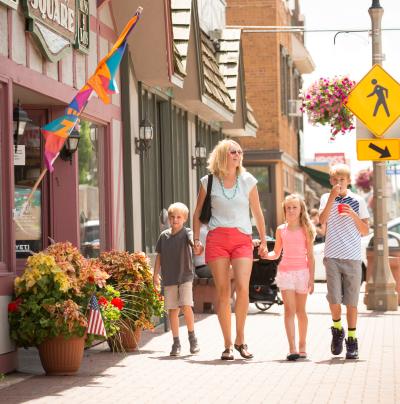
(318, 176)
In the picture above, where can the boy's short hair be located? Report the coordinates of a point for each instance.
(340, 169)
(178, 207)
(314, 212)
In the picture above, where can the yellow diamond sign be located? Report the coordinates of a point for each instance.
(375, 100)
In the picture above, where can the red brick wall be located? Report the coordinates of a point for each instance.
(262, 72)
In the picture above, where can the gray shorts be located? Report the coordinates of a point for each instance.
(343, 279)
(176, 296)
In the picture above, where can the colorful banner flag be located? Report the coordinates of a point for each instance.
(102, 82)
(95, 321)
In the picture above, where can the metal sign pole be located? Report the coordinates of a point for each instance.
(381, 289)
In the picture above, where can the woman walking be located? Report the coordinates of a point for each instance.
(229, 240)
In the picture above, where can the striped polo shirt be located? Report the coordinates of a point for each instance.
(343, 240)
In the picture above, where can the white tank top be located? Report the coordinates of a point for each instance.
(230, 208)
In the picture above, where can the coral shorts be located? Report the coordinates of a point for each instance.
(293, 280)
(228, 242)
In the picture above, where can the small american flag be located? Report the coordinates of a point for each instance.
(95, 322)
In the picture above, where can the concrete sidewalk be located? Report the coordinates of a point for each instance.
(151, 376)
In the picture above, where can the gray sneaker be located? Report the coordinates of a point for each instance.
(194, 346)
(175, 350)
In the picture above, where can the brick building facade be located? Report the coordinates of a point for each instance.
(273, 62)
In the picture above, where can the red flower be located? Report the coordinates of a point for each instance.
(118, 303)
(14, 305)
(91, 279)
(103, 301)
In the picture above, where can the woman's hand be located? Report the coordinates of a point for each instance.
(262, 249)
(198, 247)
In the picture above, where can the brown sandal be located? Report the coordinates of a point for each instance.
(227, 355)
(243, 350)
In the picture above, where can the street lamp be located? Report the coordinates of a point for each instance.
(142, 144)
(200, 155)
(20, 119)
(70, 146)
(381, 289)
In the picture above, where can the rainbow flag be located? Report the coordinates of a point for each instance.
(102, 82)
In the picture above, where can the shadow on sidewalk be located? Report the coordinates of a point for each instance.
(220, 362)
(339, 361)
(37, 385)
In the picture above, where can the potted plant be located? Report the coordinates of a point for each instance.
(130, 274)
(51, 300)
(324, 102)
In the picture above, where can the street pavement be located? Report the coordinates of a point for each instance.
(151, 376)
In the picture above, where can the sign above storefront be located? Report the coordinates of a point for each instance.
(58, 25)
(10, 3)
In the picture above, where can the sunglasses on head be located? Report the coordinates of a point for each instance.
(233, 152)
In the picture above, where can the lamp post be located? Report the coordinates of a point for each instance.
(381, 289)
(142, 144)
(200, 155)
(70, 146)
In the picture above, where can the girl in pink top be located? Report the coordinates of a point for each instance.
(295, 277)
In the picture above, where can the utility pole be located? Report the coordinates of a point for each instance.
(381, 289)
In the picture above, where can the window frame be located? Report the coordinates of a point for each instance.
(7, 250)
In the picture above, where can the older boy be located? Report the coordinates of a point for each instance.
(174, 248)
(346, 216)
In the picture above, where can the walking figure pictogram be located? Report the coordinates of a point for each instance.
(382, 93)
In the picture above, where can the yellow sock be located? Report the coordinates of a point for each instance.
(337, 324)
(351, 333)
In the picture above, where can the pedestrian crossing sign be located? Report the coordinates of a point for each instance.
(375, 100)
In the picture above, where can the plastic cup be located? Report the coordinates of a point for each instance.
(341, 208)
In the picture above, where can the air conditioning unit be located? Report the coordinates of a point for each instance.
(294, 108)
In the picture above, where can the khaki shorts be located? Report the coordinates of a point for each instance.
(343, 279)
(176, 296)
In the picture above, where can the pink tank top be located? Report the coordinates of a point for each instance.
(294, 245)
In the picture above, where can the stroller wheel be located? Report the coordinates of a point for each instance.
(263, 306)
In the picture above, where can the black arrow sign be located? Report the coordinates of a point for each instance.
(384, 153)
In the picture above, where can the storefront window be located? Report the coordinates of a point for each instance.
(27, 167)
(89, 179)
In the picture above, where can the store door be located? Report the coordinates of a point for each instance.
(31, 224)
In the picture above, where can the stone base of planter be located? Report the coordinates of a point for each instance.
(61, 356)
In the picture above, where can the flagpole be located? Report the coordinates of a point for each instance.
(27, 202)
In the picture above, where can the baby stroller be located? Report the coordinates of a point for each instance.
(263, 291)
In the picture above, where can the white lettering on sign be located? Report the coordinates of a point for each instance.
(22, 248)
(56, 17)
(56, 11)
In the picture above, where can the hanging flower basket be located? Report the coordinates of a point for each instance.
(324, 103)
(364, 180)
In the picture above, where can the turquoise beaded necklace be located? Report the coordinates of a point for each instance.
(235, 189)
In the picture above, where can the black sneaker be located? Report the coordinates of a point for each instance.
(337, 341)
(352, 348)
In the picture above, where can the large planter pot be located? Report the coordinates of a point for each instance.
(62, 356)
(127, 340)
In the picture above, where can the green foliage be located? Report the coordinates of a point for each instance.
(130, 274)
(52, 295)
(86, 155)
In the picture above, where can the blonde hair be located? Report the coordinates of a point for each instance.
(218, 160)
(340, 169)
(304, 218)
(178, 207)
